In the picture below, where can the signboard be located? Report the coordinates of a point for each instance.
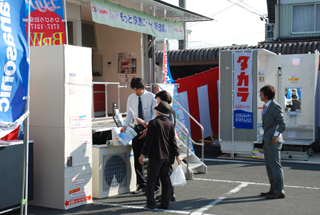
(243, 90)
(293, 79)
(46, 22)
(107, 13)
(14, 68)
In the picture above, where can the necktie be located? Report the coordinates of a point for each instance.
(264, 110)
(140, 109)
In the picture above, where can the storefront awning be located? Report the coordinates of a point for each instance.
(157, 8)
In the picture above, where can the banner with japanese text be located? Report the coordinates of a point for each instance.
(14, 66)
(107, 13)
(166, 74)
(243, 117)
(46, 22)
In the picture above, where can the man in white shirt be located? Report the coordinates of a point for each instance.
(141, 102)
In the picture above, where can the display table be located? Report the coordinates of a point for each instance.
(113, 170)
(11, 163)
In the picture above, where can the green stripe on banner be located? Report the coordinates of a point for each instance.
(115, 15)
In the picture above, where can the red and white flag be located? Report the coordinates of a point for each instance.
(199, 96)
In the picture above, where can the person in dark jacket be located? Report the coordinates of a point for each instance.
(166, 97)
(160, 143)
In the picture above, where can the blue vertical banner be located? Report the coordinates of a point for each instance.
(169, 78)
(14, 67)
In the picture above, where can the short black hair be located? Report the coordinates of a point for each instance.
(268, 91)
(294, 96)
(137, 82)
(164, 96)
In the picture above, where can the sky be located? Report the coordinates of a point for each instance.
(232, 24)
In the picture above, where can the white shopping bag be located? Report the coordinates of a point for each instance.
(177, 177)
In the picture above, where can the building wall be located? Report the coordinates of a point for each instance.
(110, 42)
(286, 22)
(297, 1)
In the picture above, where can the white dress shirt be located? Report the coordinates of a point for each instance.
(267, 105)
(148, 102)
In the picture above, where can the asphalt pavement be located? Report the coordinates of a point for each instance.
(230, 187)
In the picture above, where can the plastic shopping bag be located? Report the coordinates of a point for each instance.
(177, 177)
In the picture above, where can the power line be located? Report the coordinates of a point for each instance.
(257, 12)
(216, 13)
(241, 37)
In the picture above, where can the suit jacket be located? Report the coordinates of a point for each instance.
(272, 121)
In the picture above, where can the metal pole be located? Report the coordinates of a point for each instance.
(66, 22)
(24, 201)
(232, 95)
(202, 146)
(183, 43)
(154, 66)
(152, 63)
(106, 98)
(92, 110)
(119, 97)
(188, 156)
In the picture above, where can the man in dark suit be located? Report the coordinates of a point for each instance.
(273, 124)
(160, 143)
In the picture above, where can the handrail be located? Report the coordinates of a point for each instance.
(202, 129)
(106, 97)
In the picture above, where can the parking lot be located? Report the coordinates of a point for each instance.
(229, 187)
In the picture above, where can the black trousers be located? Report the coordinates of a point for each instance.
(137, 145)
(158, 180)
(161, 169)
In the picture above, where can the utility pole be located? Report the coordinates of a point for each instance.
(183, 43)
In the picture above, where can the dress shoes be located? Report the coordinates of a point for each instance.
(162, 207)
(173, 198)
(150, 206)
(267, 193)
(139, 190)
(276, 196)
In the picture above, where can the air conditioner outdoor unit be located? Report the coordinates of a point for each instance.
(113, 171)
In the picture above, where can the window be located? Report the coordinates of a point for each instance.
(306, 18)
(70, 33)
(292, 99)
(88, 35)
